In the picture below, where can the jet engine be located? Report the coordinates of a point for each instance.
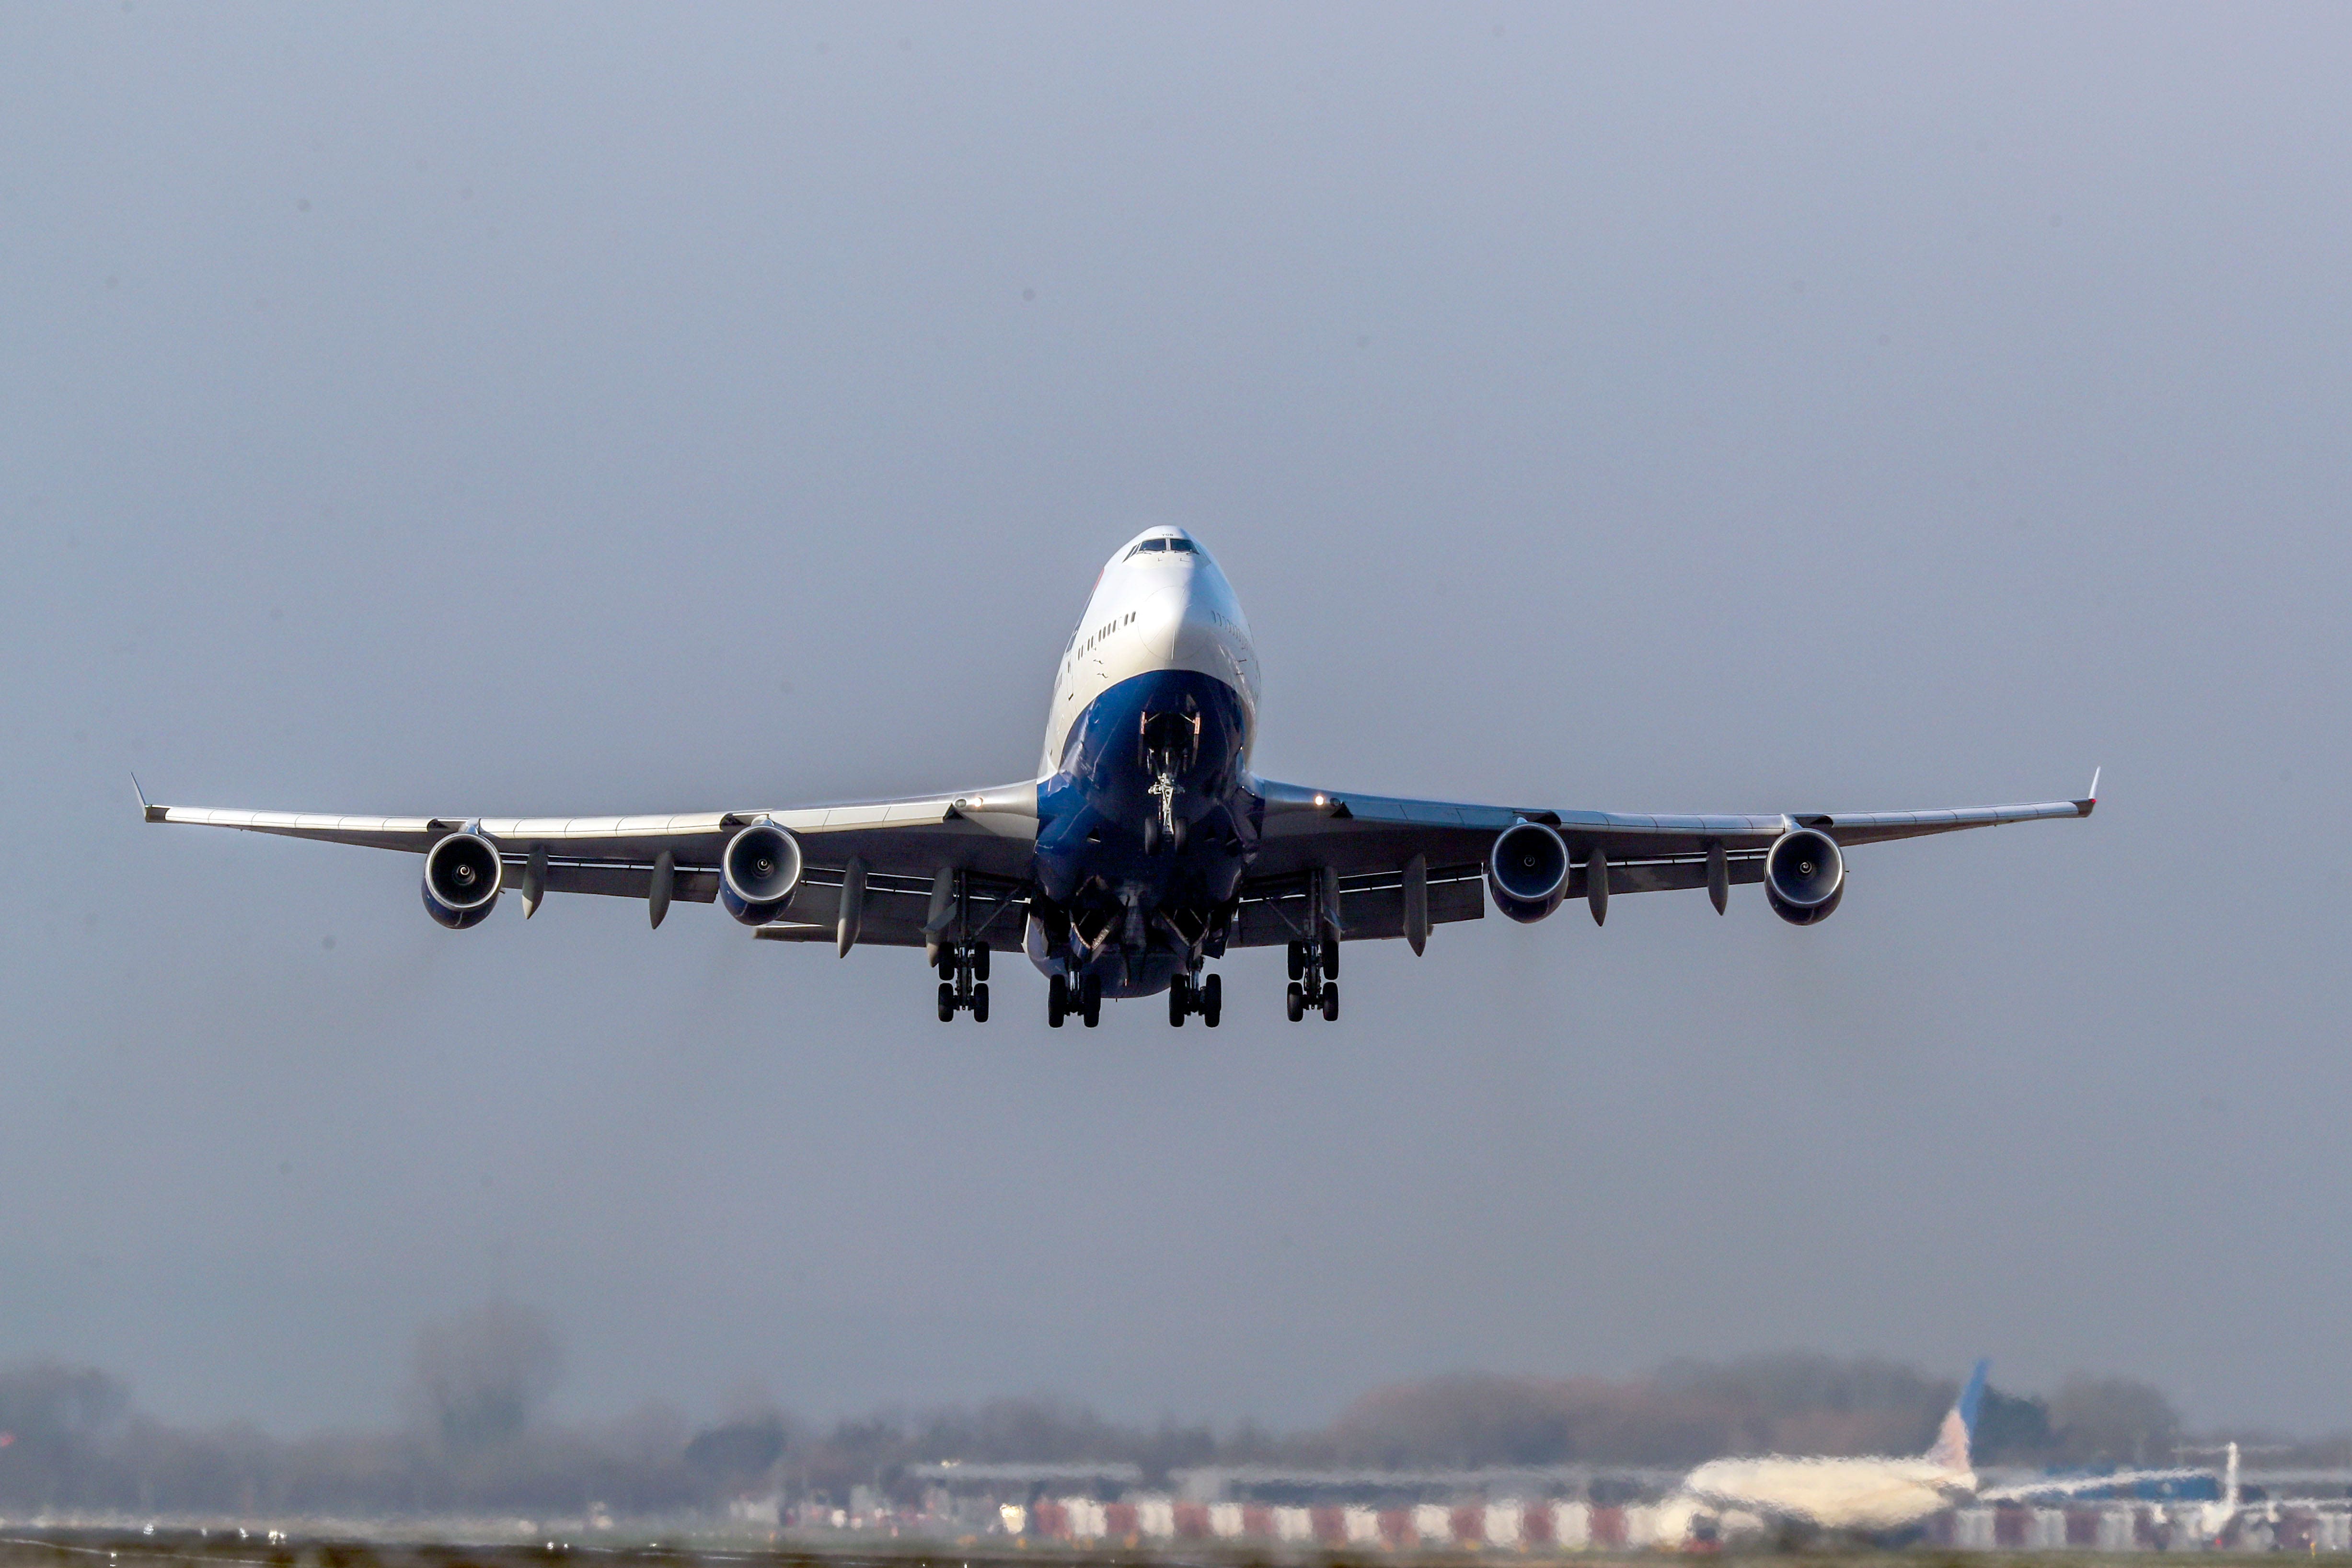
(1804, 876)
(759, 873)
(461, 880)
(1527, 871)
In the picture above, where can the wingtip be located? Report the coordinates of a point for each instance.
(148, 809)
(2090, 801)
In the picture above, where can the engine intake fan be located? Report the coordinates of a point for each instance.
(462, 874)
(1804, 876)
(1527, 871)
(759, 873)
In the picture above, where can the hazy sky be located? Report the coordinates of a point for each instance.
(556, 408)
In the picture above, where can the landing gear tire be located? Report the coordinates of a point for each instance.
(1298, 960)
(980, 962)
(1179, 1003)
(979, 1004)
(1057, 1001)
(1330, 1003)
(1091, 991)
(1213, 1000)
(1296, 1003)
(1151, 836)
(1330, 960)
(947, 1003)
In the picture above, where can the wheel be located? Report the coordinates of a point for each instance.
(947, 961)
(1298, 960)
(1151, 836)
(947, 1002)
(980, 960)
(1057, 1001)
(1178, 1004)
(1092, 991)
(979, 1003)
(1331, 959)
(1330, 1003)
(1213, 1000)
(1296, 1003)
(1176, 839)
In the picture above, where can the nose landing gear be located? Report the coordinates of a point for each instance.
(1064, 998)
(1188, 995)
(1314, 980)
(963, 981)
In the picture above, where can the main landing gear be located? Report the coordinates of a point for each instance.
(1187, 995)
(1314, 980)
(1063, 998)
(963, 981)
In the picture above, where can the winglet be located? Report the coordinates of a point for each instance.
(151, 813)
(2090, 802)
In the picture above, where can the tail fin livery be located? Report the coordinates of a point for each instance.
(1959, 1428)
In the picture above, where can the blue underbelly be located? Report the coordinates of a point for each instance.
(1101, 861)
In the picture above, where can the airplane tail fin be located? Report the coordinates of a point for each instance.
(1960, 1428)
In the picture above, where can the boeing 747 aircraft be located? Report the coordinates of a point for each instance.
(1144, 849)
(1846, 1495)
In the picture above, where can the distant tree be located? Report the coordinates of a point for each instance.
(2112, 1420)
(52, 1419)
(2012, 1429)
(737, 1453)
(483, 1375)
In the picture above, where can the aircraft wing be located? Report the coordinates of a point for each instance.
(1367, 841)
(903, 843)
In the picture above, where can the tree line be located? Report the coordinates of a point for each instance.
(477, 1437)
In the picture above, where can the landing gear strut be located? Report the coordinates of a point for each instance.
(1314, 980)
(1188, 995)
(963, 981)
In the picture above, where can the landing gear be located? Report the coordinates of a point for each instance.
(1314, 980)
(1187, 995)
(1057, 1001)
(1090, 999)
(963, 981)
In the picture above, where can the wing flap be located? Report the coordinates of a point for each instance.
(1371, 907)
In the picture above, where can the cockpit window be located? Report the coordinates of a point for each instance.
(1150, 544)
(1183, 546)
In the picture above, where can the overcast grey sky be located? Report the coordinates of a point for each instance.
(551, 408)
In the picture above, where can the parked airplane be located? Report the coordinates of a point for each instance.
(1860, 1495)
(1144, 847)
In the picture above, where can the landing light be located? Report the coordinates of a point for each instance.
(1321, 801)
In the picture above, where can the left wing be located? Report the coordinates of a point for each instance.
(906, 847)
(1363, 845)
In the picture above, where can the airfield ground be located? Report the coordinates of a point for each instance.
(21, 1548)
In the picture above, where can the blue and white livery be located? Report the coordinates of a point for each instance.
(1145, 848)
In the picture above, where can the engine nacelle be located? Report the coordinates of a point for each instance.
(759, 873)
(1527, 871)
(462, 874)
(1804, 876)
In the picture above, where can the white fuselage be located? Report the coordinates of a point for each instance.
(1856, 1494)
(1153, 609)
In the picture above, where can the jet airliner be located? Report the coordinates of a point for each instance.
(1848, 1496)
(1145, 848)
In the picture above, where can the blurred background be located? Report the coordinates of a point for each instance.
(623, 408)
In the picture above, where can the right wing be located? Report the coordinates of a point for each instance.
(904, 845)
